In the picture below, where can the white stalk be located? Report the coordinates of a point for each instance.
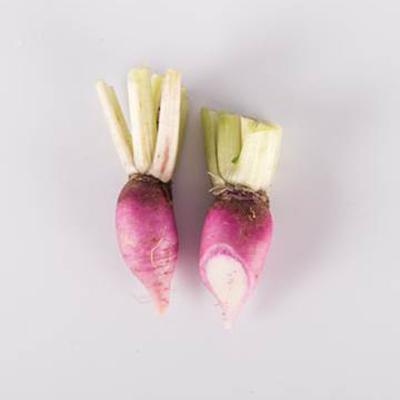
(156, 82)
(119, 130)
(240, 150)
(228, 144)
(143, 117)
(169, 121)
(184, 111)
(259, 154)
(209, 121)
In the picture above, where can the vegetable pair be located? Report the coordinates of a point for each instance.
(242, 155)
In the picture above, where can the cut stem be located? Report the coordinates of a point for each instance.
(143, 117)
(228, 143)
(119, 130)
(240, 150)
(156, 82)
(167, 145)
(158, 107)
(182, 122)
(259, 154)
(209, 120)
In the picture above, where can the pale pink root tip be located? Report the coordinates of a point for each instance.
(160, 300)
(161, 306)
(228, 324)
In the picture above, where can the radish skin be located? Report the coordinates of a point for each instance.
(149, 249)
(237, 230)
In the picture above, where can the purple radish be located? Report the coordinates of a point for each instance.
(145, 222)
(241, 154)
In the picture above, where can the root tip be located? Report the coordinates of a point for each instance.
(228, 324)
(161, 307)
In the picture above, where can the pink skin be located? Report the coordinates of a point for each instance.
(238, 228)
(147, 234)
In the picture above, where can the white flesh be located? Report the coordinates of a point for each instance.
(228, 282)
(156, 83)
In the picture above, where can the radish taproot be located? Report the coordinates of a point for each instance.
(145, 222)
(241, 154)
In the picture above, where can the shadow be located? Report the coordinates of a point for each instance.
(307, 196)
(190, 201)
(303, 212)
(81, 173)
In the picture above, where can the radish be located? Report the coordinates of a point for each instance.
(242, 154)
(145, 222)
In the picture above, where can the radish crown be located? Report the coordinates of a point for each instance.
(157, 110)
(240, 150)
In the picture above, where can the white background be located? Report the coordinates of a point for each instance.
(324, 321)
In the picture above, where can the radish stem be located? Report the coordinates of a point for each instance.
(228, 143)
(118, 127)
(156, 82)
(168, 127)
(143, 117)
(209, 119)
